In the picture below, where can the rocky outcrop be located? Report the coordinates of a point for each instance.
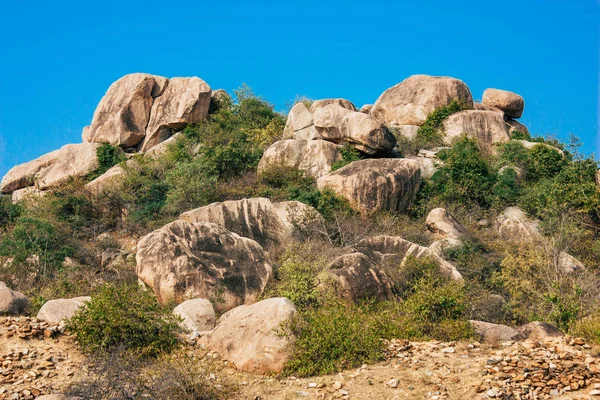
(184, 101)
(197, 315)
(406, 131)
(108, 179)
(412, 100)
(315, 157)
(251, 336)
(55, 311)
(162, 147)
(184, 260)
(271, 224)
(515, 126)
(366, 108)
(539, 331)
(383, 184)
(328, 121)
(123, 113)
(52, 169)
(299, 123)
(355, 277)
(510, 103)
(30, 192)
(317, 104)
(488, 127)
(11, 301)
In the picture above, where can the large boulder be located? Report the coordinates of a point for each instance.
(488, 127)
(123, 113)
(428, 166)
(55, 311)
(197, 315)
(515, 126)
(52, 169)
(184, 260)
(328, 121)
(366, 134)
(494, 333)
(357, 278)
(271, 224)
(11, 301)
(441, 223)
(299, 122)
(510, 103)
(384, 184)
(251, 336)
(315, 157)
(539, 331)
(108, 179)
(514, 225)
(184, 101)
(413, 99)
(338, 102)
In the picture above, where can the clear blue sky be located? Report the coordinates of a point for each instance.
(59, 57)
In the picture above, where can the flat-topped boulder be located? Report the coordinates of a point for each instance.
(185, 260)
(413, 99)
(184, 101)
(52, 169)
(272, 225)
(315, 157)
(510, 103)
(488, 127)
(384, 184)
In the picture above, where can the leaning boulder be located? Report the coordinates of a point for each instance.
(510, 103)
(52, 169)
(357, 278)
(11, 301)
(184, 101)
(272, 225)
(315, 157)
(55, 311)
(252, 337)
(412, 100)
(384, 184)
(184, 260)
(488, 127)
(328, 121)
(123, 113)
(197, 315)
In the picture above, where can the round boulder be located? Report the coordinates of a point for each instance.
(198, 315)
(511, 103)
(55, 311)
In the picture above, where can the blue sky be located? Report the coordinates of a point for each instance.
(58, 58)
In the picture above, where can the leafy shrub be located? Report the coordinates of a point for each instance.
(108, 156)
(429, 132)
(192, 184)
(9, 212)
(297, 281)
(74, 208)
(125, 316)
(587, 328)
(546, 162)
(518, 135)
(349, 155)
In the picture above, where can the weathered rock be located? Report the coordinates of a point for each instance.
(357, 278)
(488, 127)
(412, 100)
(325, 102)
(309, 133)
(162, 147)
(440, 222)
(184, 260)
(569, 264)
(123, 113)
(514, 225)
(530, 145)
(366, 134)
(427, 166)
(55, 311)
(29, 192)
(11, 301)
(315, 157)
(298, 119)
(479, 106)
(366, 108)
(539, 331)
(598, 177)
(184, 101)
(494, 333)
(218, 97)
(108, 179)
(52, 168)
(249, 336)
(198, 315)
(406, 131)
(272, 225)
(516, 126)
(375, 184)
(328, 121)
(510, 103)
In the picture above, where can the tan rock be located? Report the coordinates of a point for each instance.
(328, 121)
(488, 127)
(298, 119)
(516, 126)
(55, 311)
(440, 222)
(30, 192)
(315, 157)
(108, 179)
(272, 225)
(539, 331)
(198, 315)
(250, 336)
(11, 301)
(383, 184)
(513, 224)
(123, 113)
(530, 145)
(184, 260)
(412, 100)
(366, 108)
(494, 333)
(357, 278)
(52, 169)
(184, 101)
(510, 103)
(161, 148)
(325, 102)
(309, 133)
(365, 133)
(427, 166)
(406, 131)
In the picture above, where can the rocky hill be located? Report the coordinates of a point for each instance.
(197, 241)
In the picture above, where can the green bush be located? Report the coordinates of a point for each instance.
(349, 155)
(191, 185)
(9, 212)
(587, 328)
(297, 281)
(546, 162)
(108, 156)
(127, 317)
(429, 132)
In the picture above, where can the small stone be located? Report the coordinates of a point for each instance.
(312, 385)
(448, 350)
(393, 383)
(337, 385)
(595, 392)
(491, 393)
